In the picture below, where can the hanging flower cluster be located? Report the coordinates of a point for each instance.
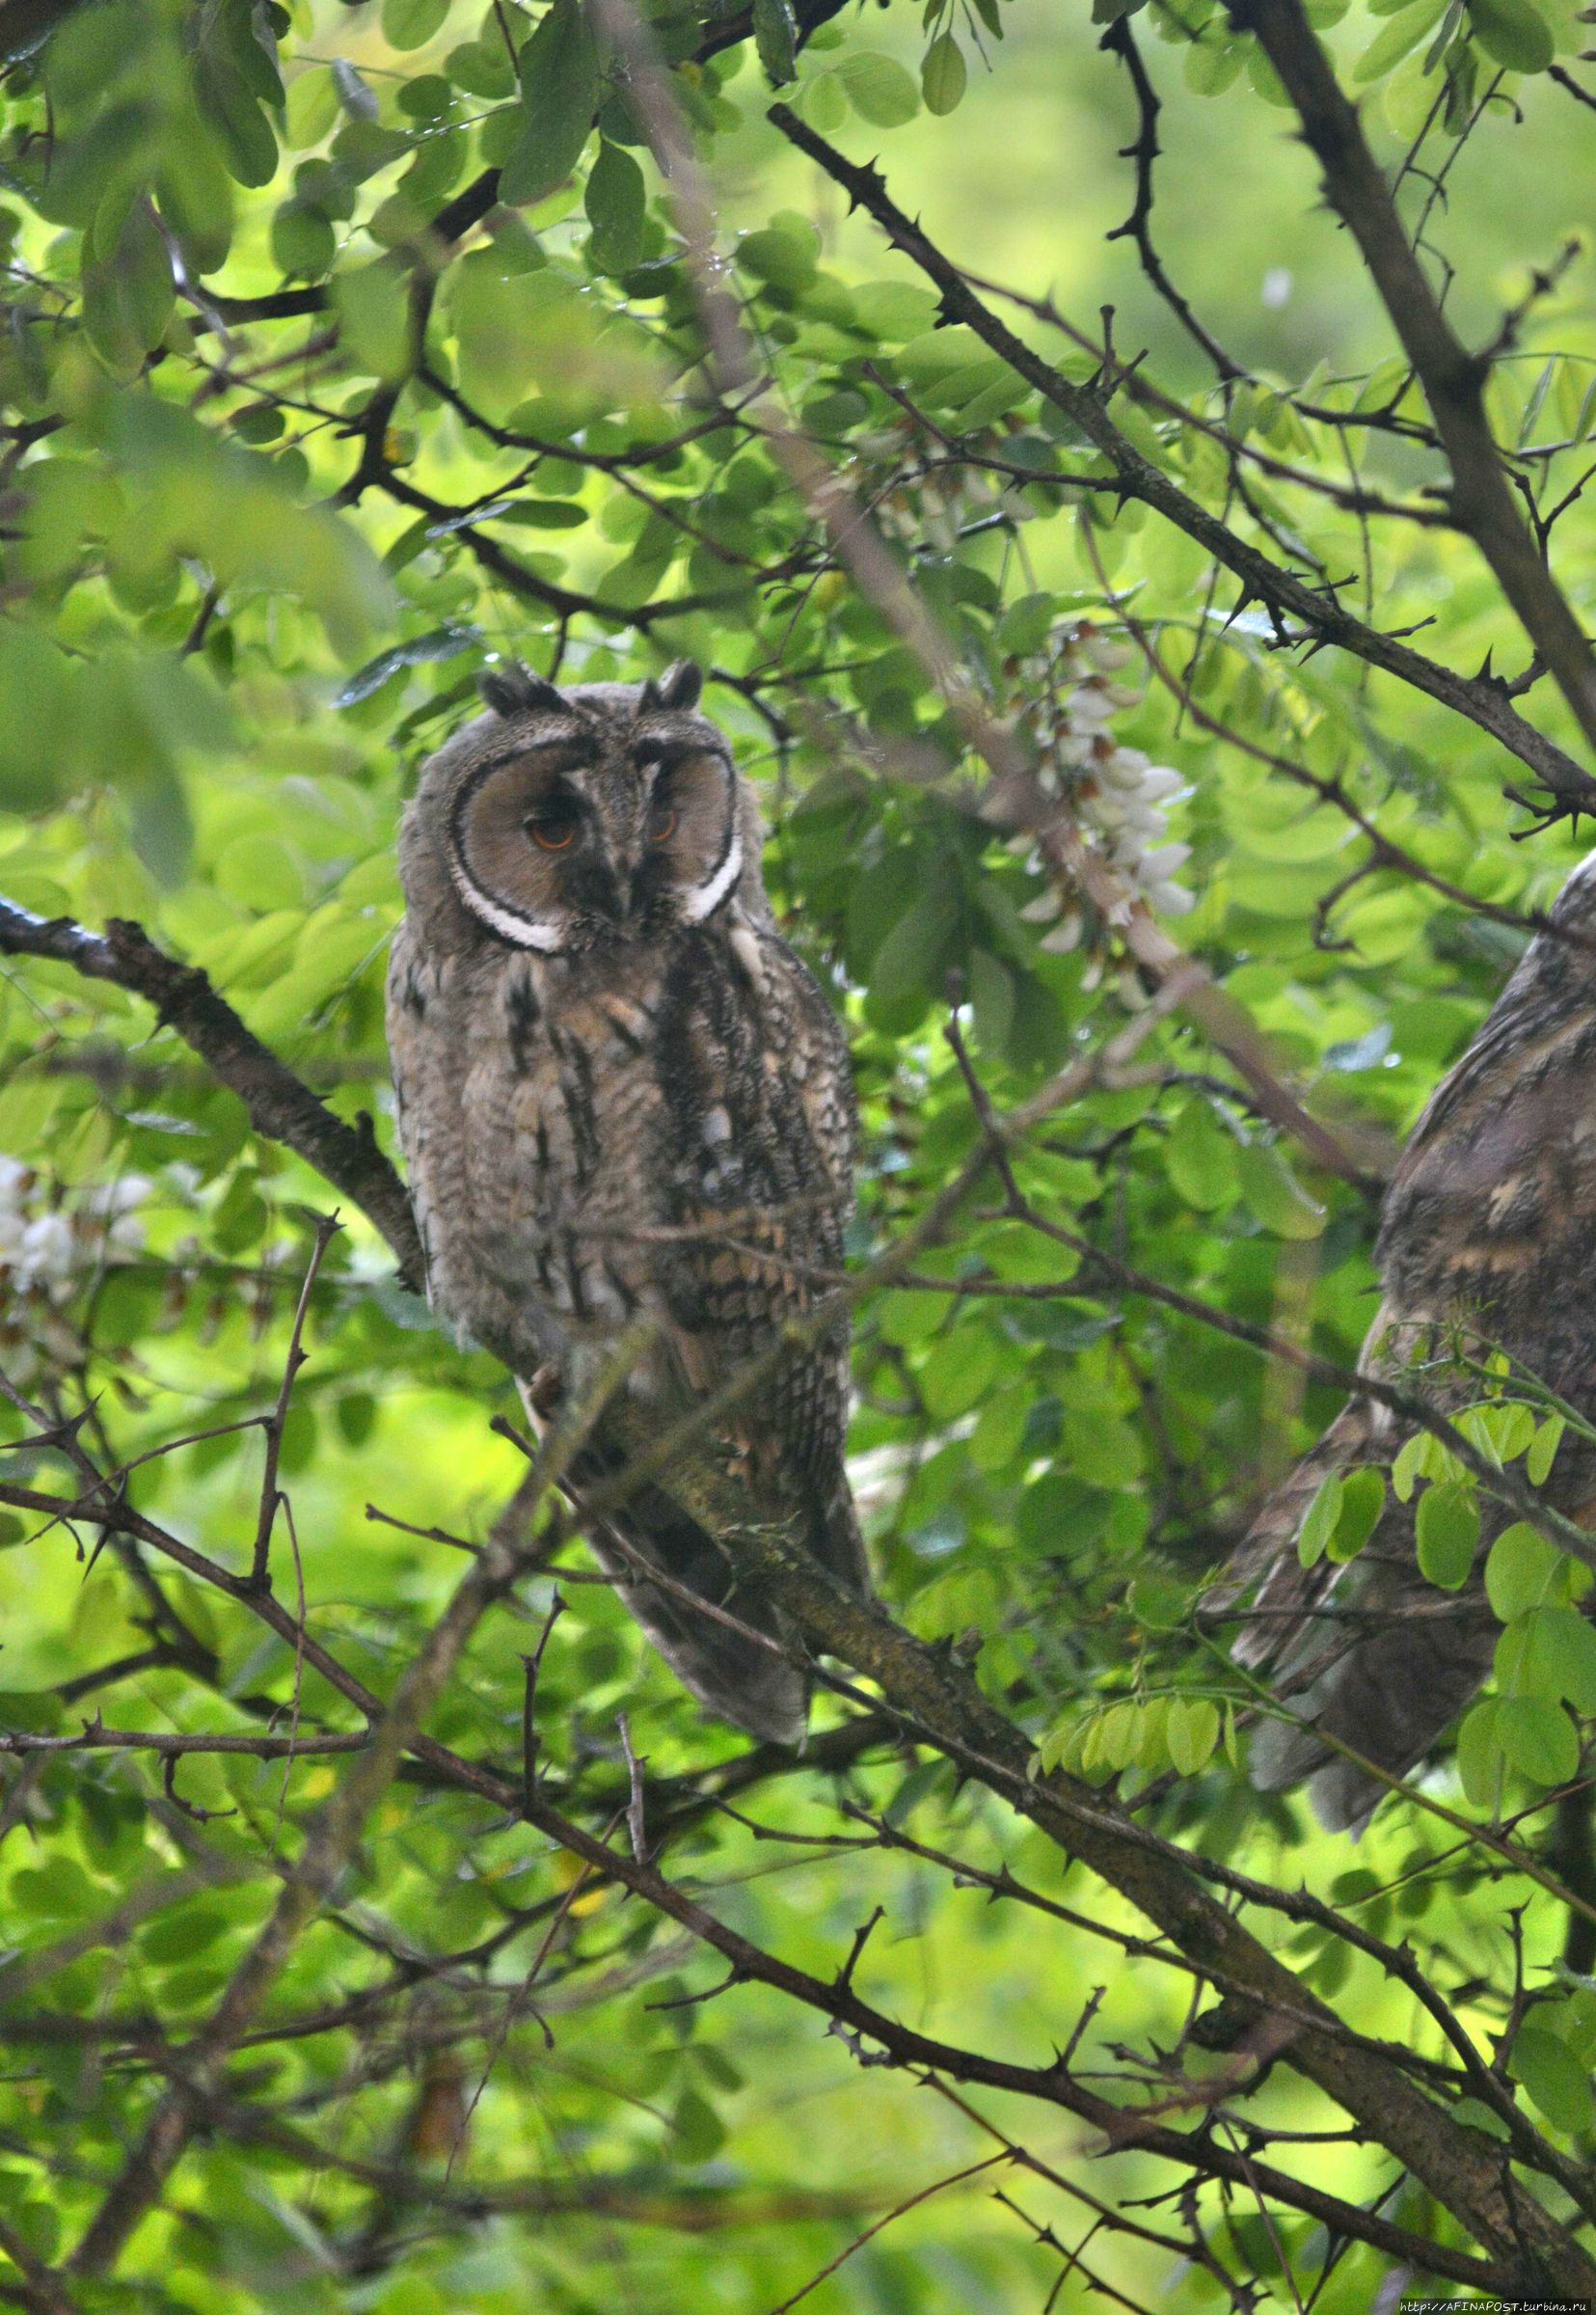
(1066, 693)
(1114, 794)
(918, 495)
(50, 1247)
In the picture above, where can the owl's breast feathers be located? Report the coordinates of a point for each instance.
(667, 1132)
(1487, 1241)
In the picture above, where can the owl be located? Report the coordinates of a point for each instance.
(1487, 1241)
(622, 1099)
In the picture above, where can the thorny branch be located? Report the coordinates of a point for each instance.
(928, 1700)
(1322, 619)
(1453, 379)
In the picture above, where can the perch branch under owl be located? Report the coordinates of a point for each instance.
(924, 1685)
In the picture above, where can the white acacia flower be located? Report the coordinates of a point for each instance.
(1065, 935)
(110, 1198)
(48, 1252)
(1171, 900)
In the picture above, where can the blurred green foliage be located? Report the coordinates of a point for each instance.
(301, 430)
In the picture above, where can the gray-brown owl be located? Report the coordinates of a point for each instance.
(621, 1096)
(1487, 1239)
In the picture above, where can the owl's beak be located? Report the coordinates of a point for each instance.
(605, 896)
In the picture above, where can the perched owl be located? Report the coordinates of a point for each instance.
(621, 1096)
(1487, 1240)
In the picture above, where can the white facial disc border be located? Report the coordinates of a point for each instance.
(704, 899)
(521, 932)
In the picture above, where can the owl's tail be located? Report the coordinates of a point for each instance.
(735, 1661)
(722, 1637)
(1367, 1655)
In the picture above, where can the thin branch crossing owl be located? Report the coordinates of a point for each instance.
(1487, 1243)
(622, 1098)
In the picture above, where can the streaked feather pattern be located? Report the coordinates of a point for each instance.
(1487, 1240)
(621, 1094)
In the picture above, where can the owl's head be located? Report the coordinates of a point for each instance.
(564, 819)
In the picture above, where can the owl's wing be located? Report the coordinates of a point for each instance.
(1369, 1653)
(761, 1123)
(764, 1221)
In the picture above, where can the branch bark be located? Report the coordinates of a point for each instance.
(279, 1105)
(940, 1701)
(1453, 379)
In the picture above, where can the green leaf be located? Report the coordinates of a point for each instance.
(1213, 62)
(1520, 1571)
(906, 961)
(785, 252)
(559, 94)
(1199, 1158)
(879, 87)
(775, 38)
(1405, 1471)
(1538, 1737)
(823, 103)
(373, 304)
(943, 76)
(128, 292)
(616, 201)
(242, 130)
(1404, 32)
(304, 243)
(1563, 1647)
(1447, 1530)
(1191, 1730)
(700, 2133)
(1512, 33)
(1480, 1760)
(58, 1890)
(1550, 1653)
(1555, 2077)
(959, 1372)
(1274, 1196)
(438, 643)
(30, 1712)
(1537, 1463)
(1320, 1519)
(182, 1932)
(1103, 1448)
(1363, 1499)
(412, 23)
(992, 1000)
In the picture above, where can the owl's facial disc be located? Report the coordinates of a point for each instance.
(692, 853)
(519, 847)
(592, 835)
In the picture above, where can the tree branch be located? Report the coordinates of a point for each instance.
(279, 1105)
(1452, 378)
(1321, 616)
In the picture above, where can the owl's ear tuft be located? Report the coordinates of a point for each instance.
(511, 689)
(680, 684)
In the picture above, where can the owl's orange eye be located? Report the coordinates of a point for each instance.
(663, 827)
(553, 824)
